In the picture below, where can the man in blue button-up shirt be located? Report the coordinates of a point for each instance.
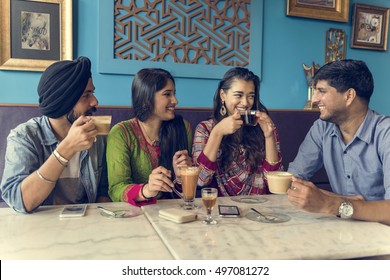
(57, 158)
(351, 141)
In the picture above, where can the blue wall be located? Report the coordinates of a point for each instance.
(288, 42)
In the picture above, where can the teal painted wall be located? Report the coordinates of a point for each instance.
(288, 42)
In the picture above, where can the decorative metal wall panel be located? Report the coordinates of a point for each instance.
(194, 39)
(183, 31)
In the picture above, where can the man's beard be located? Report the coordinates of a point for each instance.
(72, 116)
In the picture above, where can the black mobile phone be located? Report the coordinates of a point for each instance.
(228, 211)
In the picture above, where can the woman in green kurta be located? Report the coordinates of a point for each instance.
(143, 153)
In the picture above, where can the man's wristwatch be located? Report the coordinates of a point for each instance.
(345, 209)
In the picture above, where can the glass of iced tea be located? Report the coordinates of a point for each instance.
(209, 198)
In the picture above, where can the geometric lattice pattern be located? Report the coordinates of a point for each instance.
(183, 31)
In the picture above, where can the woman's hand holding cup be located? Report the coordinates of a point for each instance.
(231, 124)
(266, 124)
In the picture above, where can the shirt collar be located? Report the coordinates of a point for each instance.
(48, 136)
(365, 130)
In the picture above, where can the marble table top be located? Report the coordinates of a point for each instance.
(43, 235)
(305, 236)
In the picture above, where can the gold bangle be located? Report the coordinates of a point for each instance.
(44, 179)
(61, 159)
(274, 162)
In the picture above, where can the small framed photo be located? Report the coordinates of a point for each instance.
(34, 34)
(370, 27)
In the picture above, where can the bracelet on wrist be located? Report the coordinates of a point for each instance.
(142, 192)
(44, 179)
(63, 161)
(274, 162)
(60, 162)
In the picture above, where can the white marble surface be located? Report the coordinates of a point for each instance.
(43, 235)
(305, 236)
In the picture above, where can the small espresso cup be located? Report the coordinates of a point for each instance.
(249, 117)
(102, 124)
(278, 181)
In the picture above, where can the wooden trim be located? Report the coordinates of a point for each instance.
(17, 105)
(178, 108)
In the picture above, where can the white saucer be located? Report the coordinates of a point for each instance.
(272, 218)
(250, 199)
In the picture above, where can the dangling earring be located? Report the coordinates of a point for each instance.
(222, 111)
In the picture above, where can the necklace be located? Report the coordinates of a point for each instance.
(154, 142)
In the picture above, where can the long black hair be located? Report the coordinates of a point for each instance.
(172, 135)
(254, 140)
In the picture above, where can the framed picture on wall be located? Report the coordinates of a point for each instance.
(34, 34)
(335, 10)
(370, 27)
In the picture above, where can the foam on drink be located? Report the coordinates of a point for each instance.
(278, 181)
(102, 124)
(189, 178)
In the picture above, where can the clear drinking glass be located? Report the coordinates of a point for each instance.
(249, 117)
(209, 198)
(189, 177)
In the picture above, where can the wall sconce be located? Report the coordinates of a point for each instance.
(309, 73)
(335, 45)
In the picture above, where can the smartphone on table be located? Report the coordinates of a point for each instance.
(71, 211)
(228, 211)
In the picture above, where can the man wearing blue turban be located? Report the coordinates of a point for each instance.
(58, 158)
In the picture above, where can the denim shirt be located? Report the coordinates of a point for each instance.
(30, 144)
(361, 166)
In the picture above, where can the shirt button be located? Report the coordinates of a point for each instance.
(345, 152)
(349, 177)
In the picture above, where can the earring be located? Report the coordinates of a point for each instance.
(222, 111)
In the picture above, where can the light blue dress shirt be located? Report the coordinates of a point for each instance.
(359, 167)
(30, 144)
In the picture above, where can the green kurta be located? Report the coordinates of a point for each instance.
(130, 158)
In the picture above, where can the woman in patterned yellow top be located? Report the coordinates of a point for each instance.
(232, 157)
(143, 153)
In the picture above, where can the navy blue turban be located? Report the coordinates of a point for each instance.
(62, 85)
